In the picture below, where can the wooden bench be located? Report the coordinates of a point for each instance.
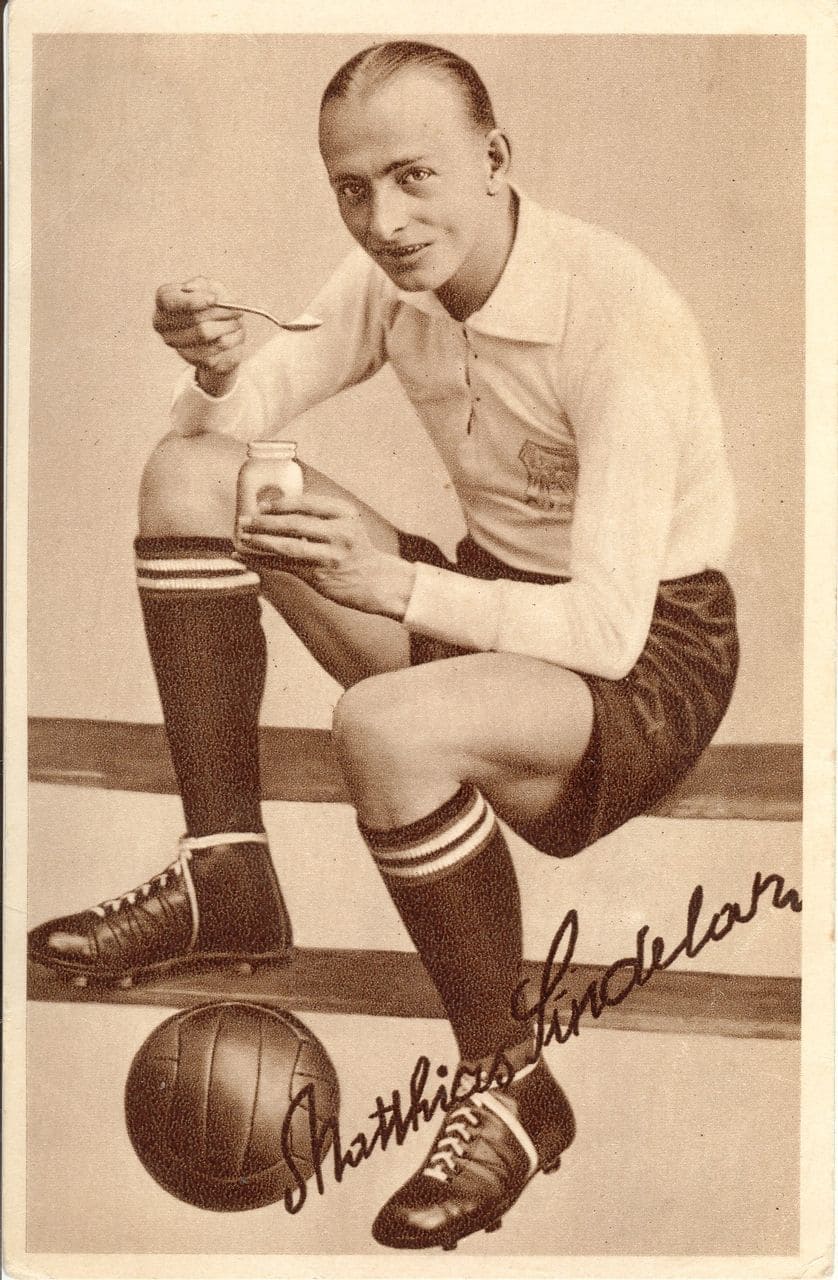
(760, 782)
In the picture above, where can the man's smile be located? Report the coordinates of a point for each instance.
(401, 252)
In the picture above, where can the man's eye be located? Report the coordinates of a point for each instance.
(416, 175)
(350, 191)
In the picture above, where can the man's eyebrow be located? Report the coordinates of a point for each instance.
(390, 168)
(400, 164)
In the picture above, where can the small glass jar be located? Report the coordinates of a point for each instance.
(270, 472)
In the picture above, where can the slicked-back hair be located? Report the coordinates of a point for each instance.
(379, 62)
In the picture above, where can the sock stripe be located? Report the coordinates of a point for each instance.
(163, 564)
(418, 857)
(458, 828)
(440, 865)
(173, 568)
(201, 583)
(424, 850)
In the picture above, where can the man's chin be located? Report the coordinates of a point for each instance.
(416, 276)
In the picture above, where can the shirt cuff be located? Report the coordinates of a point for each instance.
(193, 410)
(455, 608)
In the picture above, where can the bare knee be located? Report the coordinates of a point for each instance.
(189, 487)
(399, 765)
(395, 766)
(363, 726)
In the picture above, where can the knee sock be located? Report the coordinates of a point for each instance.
(201, 611)
(452, 881)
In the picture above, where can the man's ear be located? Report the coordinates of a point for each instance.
(498, 160)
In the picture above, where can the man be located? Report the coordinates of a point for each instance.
(561, 675)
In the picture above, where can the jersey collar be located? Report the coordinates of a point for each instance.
(528, 302)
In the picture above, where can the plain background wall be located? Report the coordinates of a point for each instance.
(159, 157)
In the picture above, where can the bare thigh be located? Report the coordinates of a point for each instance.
(516, 727)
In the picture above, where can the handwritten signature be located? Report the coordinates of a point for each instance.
(394, 1120)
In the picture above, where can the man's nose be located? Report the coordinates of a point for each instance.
(388, 213)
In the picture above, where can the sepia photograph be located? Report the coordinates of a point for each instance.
(420, 642)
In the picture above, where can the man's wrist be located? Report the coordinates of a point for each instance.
(397, 583)
(215, 384)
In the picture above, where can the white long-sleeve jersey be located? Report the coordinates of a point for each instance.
(575, 415)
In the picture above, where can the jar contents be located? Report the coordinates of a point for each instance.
(271, 473)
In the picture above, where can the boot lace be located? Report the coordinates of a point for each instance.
(175, 871)
(463, 1121)
(459, 1128)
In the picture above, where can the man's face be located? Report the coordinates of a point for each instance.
(409, 171)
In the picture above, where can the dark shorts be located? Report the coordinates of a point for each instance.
(651, 726)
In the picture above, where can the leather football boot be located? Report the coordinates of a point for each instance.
(489, 1147)
(219, 902)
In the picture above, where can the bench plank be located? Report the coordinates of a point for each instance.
(395, 984)
(731, 780)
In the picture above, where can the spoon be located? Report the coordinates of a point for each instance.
(303, 324)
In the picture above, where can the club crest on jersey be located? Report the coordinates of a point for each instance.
(552, 472)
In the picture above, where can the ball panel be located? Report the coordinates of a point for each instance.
(280, 1048)
(232, 1091)
(187, 1117)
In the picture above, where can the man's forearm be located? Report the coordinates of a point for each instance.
(215, 383)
